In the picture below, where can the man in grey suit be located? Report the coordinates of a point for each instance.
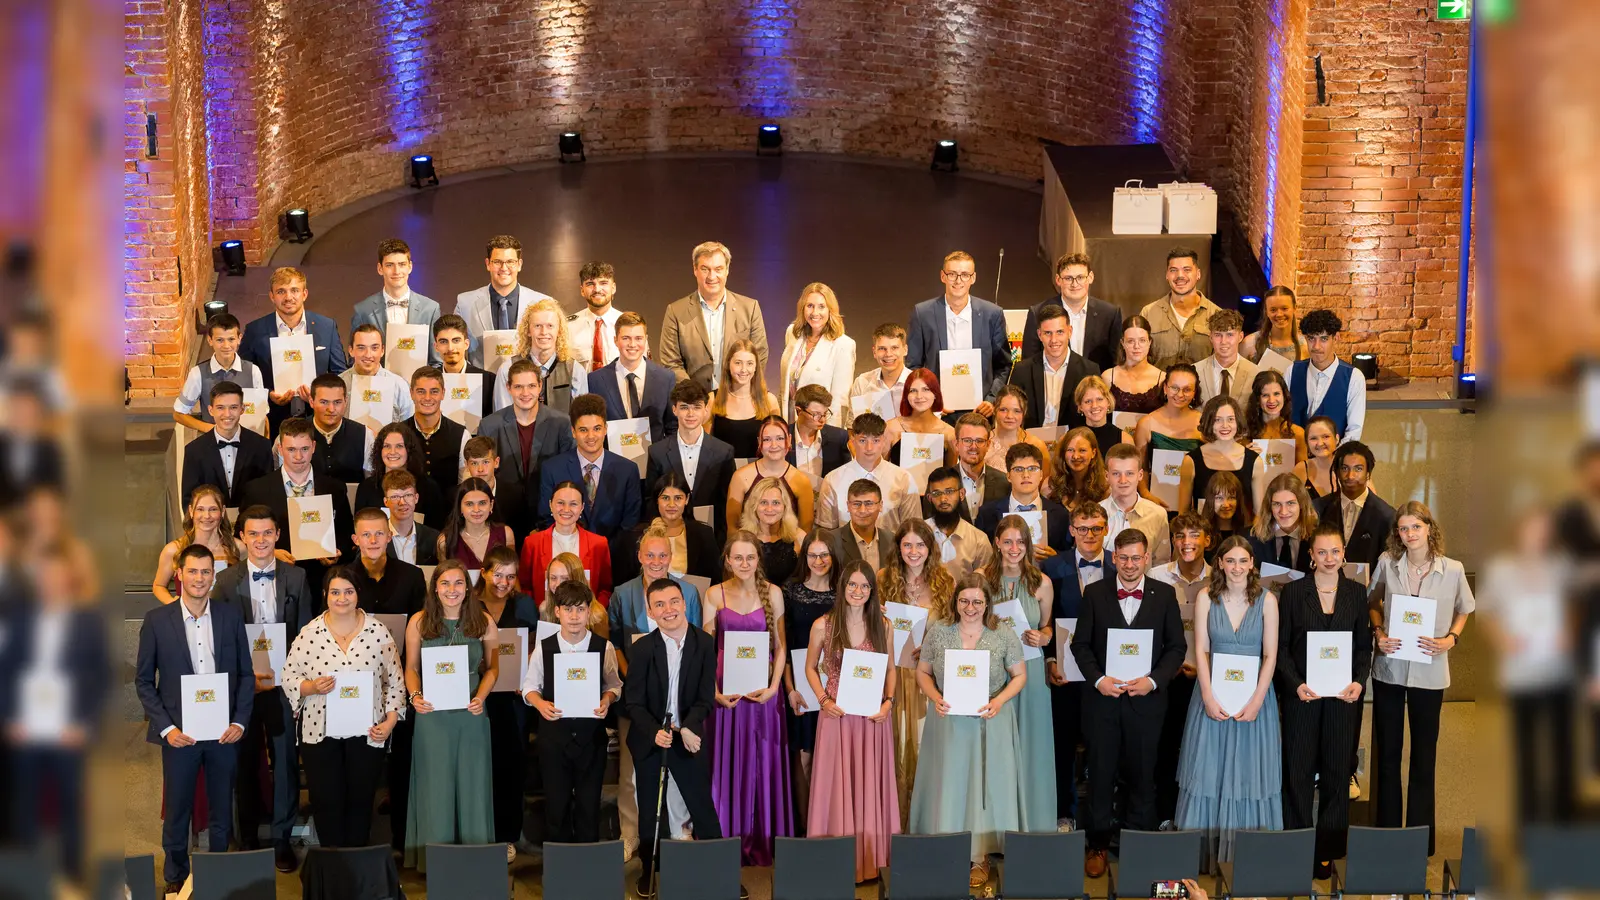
(266, 590)
(498, 305)
(551, 430)
(397, 302)
(861, 538)
(700, 327)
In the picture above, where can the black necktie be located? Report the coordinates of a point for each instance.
(1284, 558)
(633, 394)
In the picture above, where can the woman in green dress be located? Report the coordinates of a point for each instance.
(1013, 576)
(968, 766)
(1175, 426)
(452, 797)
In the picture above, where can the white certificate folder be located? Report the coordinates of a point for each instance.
(577, 684)
(444, 677)
(1128, 652)
(1329, 662)
(966, 681)
(205, 706)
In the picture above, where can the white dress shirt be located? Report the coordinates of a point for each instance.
(900, 499)
(1188, 592)
(674, 665)
(202, 648)
(1079, 321)
(396, 309)
(972, 487)
(622, 385)
(1087, 575)
(533, 678)
(1318, 381)
(283, 328)
(229, 454)
(714, 320)
(808, 457)
(288, 482)
(1054, 380)
(396, 387)
(580, 336)
(958, 328)
(871, 381)
(405, 545)
(1130, 605)
(263, 593)
(690, 454)
(243, 373)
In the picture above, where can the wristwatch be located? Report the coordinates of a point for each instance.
(1454, 638)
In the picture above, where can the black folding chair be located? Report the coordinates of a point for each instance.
(700, 870)
(1044, 866)
(350, 873)
(1151, 856)
(249, 875)
(468, 872)
(1269, 864)
(1469, 874)
(814, 868)
(927, 867)
(140, 872)
(1561, 858)
(583, 870)
(1384, 861)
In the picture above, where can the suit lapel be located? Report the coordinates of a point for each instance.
(181, 636)
(280, 586)
(697, 324)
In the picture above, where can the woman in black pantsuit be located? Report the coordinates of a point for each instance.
(1320, 732)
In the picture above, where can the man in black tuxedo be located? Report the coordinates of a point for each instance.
(815, 447)
(267, 590)
(1096, 324)
(980, 482)
(343, 447)
(711, 459)
(1050, 377)
(297, 478)
(1365, 517)
(634, 387)
(228, 456)
(193, 637)
(1025, 475)
(668, 730)
(1122, 719)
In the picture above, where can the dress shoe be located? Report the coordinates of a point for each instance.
(283, 856)
(1094, 863)
(1322, 871)
(173, 887)
(744, 893)
(643, 887)
(978, 875)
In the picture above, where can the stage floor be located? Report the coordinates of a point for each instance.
(875, 232)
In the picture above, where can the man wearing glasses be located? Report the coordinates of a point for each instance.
(1048, 519)
(1096, 324)
(979, 481)
(959, 321)
(815, 447)
(498, 305)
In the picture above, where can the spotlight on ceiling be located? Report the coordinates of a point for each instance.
(231, 257)
(422, 171)
(296, 226)
(769, 141)
(1367, 365)
(1467, 386)
(571, 147)
(945, 154)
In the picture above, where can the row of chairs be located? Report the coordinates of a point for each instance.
(1381, 861)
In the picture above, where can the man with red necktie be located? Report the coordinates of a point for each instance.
(592, 331)
(1122, 719)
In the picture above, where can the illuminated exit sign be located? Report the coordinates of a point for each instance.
(1455, 9)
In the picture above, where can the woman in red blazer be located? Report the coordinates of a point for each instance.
(566, 505)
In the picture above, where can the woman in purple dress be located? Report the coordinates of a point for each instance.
(749, 750)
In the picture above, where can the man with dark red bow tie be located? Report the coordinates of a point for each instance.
(1122, 718)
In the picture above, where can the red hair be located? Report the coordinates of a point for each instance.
(927, 377)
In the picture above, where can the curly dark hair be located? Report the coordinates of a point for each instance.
(1321, 321)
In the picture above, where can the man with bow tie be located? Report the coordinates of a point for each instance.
(1122, 718)
(397, 302)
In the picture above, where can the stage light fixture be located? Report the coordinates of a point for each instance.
(1367, 365)
(769, 141)
(208, 311)
(422, 171)
(231, 254)
(1250, 309)
(1467, 386)
(571, 147)
(945, 155)
(297, 226)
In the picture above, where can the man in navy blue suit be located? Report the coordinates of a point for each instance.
(1096, 326)
(705, 463)
(291, 317)
(634, 387)
(1025, 472)
(611, 482)
(959, 321)
(193, 637)
(815, 447)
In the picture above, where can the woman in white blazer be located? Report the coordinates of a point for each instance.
(817, 351)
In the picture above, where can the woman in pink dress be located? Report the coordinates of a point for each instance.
(852, 777)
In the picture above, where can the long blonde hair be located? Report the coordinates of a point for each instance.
(1419, 511)
(749, 520)
(1031, 576)
(835, 326)
(574, 567)
(1064, 485)
(758, 384)
(230, 550)
(895, 575)
(525, 330)
(763, 589)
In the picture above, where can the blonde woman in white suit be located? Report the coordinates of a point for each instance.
(817, 351)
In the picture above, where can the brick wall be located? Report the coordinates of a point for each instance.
(166, 254)
(1382, 168)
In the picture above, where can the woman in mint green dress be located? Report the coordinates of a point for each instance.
(1011, 575)
(968, 768)
(452, 798)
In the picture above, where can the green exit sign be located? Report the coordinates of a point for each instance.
(1455, 9)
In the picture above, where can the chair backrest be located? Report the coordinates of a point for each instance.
(1560, 858)
(1273, 863)
(1387, 861)
(1042, 866)
(234, 876)
(140, 872)
(468, 872)
(1474, 874)
(24, 876)
(583, 870)
(1150, 856)
(700, 870)
(814, 868)
(350, 873)
(930, 866)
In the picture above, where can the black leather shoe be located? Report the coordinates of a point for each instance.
(173, 887)
(1322, 871)
(283, 856)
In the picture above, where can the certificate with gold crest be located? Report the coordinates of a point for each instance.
(294, 361)
(630, 438)
(909, 622)
(861, 675)
(920, 454)
(1011, 613)
(444, 677)
(1410, 620)
(205, 706)
(268, 649)
(254, 417)
(1016, 323)
(966, 681)
(311, 534)
(1233, 680)
(961, 378)
(351, 704)
(745, 662)
(1166, 470)
(1128, 653)
(499, 348)
(577, 684)
(513, 650)
(1329, 662)
(1277, 456)
(370, 402)
(405, 348)
(463, 399)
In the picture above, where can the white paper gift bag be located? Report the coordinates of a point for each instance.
(1135, 209)
(1191, 209)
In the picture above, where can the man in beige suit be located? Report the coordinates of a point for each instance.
(711, 317)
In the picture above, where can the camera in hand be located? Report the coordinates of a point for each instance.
(1168, 890)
